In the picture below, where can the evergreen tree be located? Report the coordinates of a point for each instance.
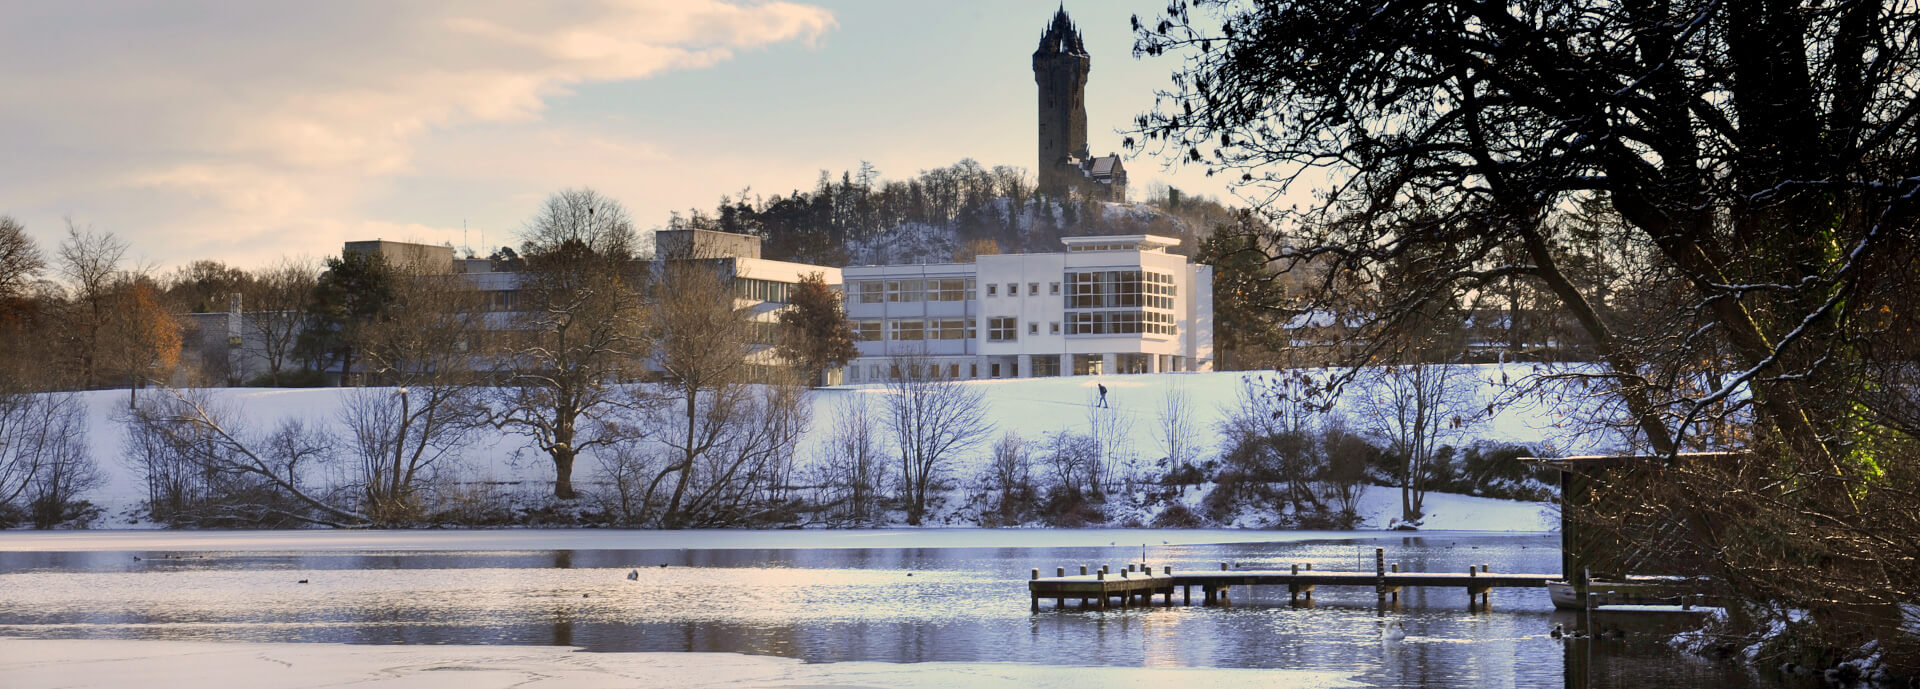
(354, 292)
(1247, 296)
(817, 334)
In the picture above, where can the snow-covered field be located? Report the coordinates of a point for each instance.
(1031, 407)
(33, 664)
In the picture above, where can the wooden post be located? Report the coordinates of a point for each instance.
(1380, 574)
(1059, 571)
(1396, 590)
(1186, 595)
(1036, 572)
(1293, 589)
(1083, 570)
(1223, 566)
(1309, 567)
(1473, 573)
(1167, 569)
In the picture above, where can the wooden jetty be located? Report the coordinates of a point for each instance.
(1136, 585)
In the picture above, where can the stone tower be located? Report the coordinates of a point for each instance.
(1060, 68)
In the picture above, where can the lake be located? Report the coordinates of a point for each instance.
(827, 597)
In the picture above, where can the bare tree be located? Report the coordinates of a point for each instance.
(1177, 434)
(425, 352)
(91, 263)
(1111, 426)
(581, 332)
(34, 427)
(1414, 408)
(1012, 477)
(274, 311)
(583, 220)
(187, 427)
(716, 426)
(931, 419)
(853, 471)
(67, 470)
(139, 341)
(20, 260)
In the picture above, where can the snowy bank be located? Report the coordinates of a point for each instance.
(36, 664)
(1034, 408)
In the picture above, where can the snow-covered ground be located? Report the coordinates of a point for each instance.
(1031, 407)
(36, 664)
(503, 540)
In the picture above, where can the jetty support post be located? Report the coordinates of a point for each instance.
(1035, 594)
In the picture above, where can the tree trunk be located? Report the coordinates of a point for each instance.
(563, 474)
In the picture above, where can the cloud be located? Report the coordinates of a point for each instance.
(238, 122)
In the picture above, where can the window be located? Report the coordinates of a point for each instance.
(1119, 289)
(1033, 328)
(973, 370)
(761, 290)
(947, 290)
(1013, 289)
(866, 331)
(996, 370)
(909, 331)
(853, 373)
(1053, 288)
(948, 329)
(953, 370)
(872, 292)
(1054, 329)
(993, 290)
(1003, 330)
(1046, 365)
(1033, 288)
(970, 288)
(906, 290)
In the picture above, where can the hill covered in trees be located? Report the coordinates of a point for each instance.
(940, 215)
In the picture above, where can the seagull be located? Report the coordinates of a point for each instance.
(633, 575)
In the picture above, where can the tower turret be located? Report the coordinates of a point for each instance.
(1060, 68)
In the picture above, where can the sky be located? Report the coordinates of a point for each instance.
(245, 131)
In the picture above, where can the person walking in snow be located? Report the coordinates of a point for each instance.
(1103, 396)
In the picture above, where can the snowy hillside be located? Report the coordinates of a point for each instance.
(1029, 226)
(1032, 407)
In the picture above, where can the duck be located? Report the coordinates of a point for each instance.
(1558, 632)
(633, 575)
(302, 581)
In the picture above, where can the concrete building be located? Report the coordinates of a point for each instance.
(1115, 304)
(425, 258)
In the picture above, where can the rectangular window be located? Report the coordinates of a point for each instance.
(1013, 289)
(867, 331)
(996, 370)
(908, 331)
(948, 329)
(873, 292)
(1055, 328)
(1033, 328)
(1003, 329)
(1033, 288)
(905, 290)
(973, 370)
(953, 370)
(947, 290)
(1053, 288)
(993, 290)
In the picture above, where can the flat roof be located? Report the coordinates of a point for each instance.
(1153, 239)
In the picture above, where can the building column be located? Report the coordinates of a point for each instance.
(1109, 364)
(1153, 362)
(1025, 366)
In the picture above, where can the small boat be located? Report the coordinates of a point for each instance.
(1633, 590)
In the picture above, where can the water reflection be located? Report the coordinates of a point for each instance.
(827, 605)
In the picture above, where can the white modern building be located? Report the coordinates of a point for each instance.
(1114, 304)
